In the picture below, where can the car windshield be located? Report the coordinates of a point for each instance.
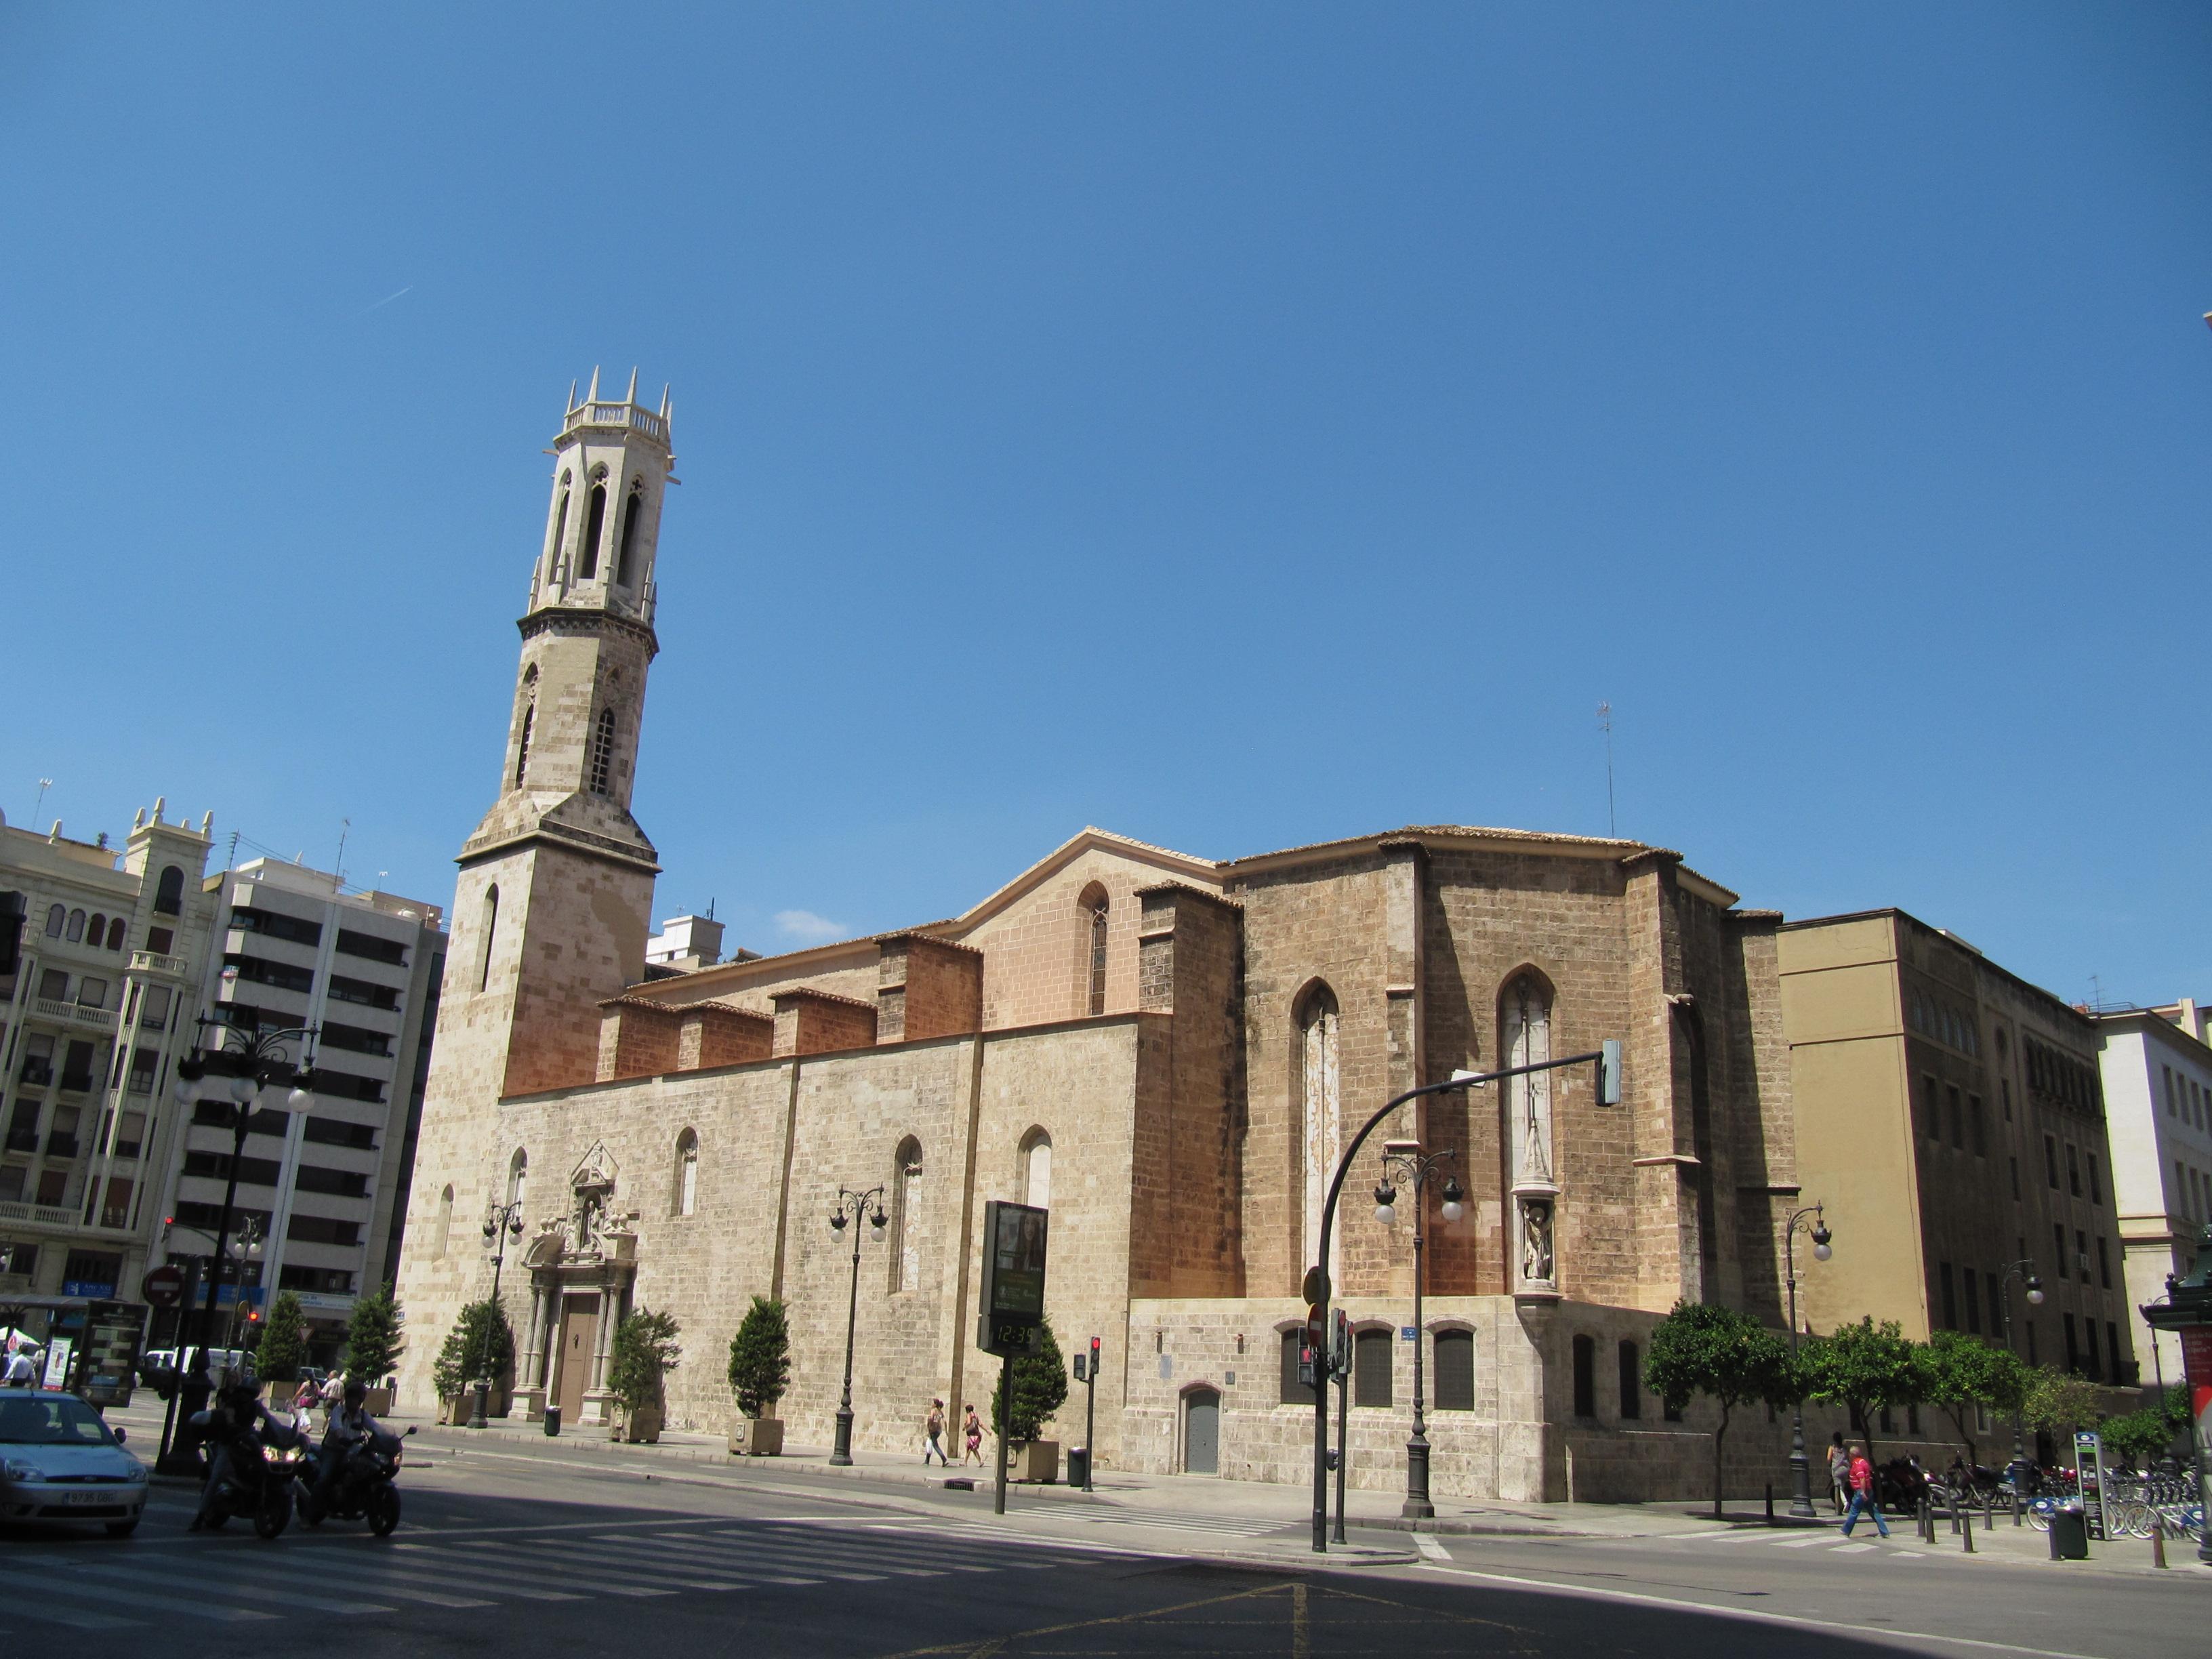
(62, 1421)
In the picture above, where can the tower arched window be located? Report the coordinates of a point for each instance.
(687, 1173)
(595, 524)
(169, 893)
(75, 931)
(633, 510)
(1093, 903)
(603, 752)
(561, 519)
(490, 928)
(905, 1252)
(56, 919)
(1316, 1075)
(522, 749)
(1036, 1169)
(115, 934)
(444, 1235)
(518, 1178)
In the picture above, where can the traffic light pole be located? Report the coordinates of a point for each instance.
(1091, 1418)
(1340, 1363)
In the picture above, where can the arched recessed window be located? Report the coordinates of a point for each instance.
(561, 519)
(56, 919)
(595, 524)
(75, 931)
(1315, 1076)
(169, 894)
(1524, 1019)
(603, 752)
(905, 1241)
(1093, 904)
(1036, 1169)
(1632, 1380)
(1371, 1367)
(484, 945)
(518, 1178)
(687, 1172)
(633, 510)
(1455, 1360)
(96, 933)
(115, 934)
(439, 1239)
(522, 749)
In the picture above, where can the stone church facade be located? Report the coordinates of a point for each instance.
(1168, 1052)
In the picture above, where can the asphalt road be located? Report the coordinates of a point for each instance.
(531, 1558)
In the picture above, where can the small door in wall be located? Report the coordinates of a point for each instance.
(1201, 1432)
(580, 1327)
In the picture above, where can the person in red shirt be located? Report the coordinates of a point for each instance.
(1863, 1494)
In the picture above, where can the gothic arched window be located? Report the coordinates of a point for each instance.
(687, 1172)
(1524, 1014)
(633, 510)
(56, 919)
(115, 934)
(905, 1252)
(1036, 1169)
(603, 751)
(445, 1222)
(1094, 905)
(587, 565)
(1314, 1076)
(518, 1178)
(96, 934)
(484, 945)
(75, 931)
(522, 749)
(561, 519)
(169, 895)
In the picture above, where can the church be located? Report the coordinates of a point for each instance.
(1168, 1052)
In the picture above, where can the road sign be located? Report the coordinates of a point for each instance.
(163, 1287)
(1316, 1287)
(1408, 1333)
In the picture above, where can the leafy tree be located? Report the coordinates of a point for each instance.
(2141, 1437)
(373, 1345)
(760, 1356)
(2062, 1402)
(1865, 1368)
(645, 1350)
(1962, 1375)
(480, 1344)
(1703, 1348)
(1040, 1385)
(2176, 1409)
(283, 1348)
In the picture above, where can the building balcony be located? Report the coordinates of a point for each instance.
(40, 1215)
(70, 1013)
(38, 1073)
(61, 1145)
(150, 961)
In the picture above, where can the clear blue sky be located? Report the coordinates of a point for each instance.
(1236, 427)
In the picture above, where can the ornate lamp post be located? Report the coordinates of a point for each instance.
(859, 1204)
(1404, 1160)
(502, 1223)
(2024, 1270)
(1801, 1471)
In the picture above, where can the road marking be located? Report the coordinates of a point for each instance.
(44, 1587)
(1801, 1543)
(1851, 1549)
(1429, 1546)
(178, 1579)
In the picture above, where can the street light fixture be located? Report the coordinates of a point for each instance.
(1801, 1470)
(502, 1223)
(859, 1203)
(1405, 1160)
(2023, 1270)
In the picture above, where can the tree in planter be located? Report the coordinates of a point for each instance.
(2060, 1402)
(480, 1344)
(1040, 1385)
(1864, 1368)
(1701, 1348)
(1962, 1375)
(644, 1351)
(760, 1357)
(284, 1347)
(373, 1345)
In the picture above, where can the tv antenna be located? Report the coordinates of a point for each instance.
(1605, 725)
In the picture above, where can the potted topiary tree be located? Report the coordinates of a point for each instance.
(481, 1345)
(644, 1351)
(373, 1346)
(284, 1347)
(760, 1370)
(1040, 1381)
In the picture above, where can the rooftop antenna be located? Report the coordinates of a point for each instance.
(1605, 725)
(345, 828)
(231, 863)
(2096, 994)
(45, 784)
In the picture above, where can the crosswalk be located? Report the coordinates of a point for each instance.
(1826, 1543)
(235, 1578)
(1181, 1521)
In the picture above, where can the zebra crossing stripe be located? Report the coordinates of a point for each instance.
(524, 1554)
(1851, 1549)
(44, 1587)
(497, 1580)
(157, 1579)
(71, 1616)
(655, 1564)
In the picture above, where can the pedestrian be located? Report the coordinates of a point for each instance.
(972, 1430)
(305, 1399)
(333, 1395)
(934, 1429)
(1839, 1472)
(23, 1368)
(1863, 1494)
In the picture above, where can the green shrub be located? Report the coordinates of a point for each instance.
(760, 1356)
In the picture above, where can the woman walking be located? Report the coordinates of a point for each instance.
(972, 1429)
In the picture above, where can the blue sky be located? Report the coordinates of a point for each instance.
(1237, 426)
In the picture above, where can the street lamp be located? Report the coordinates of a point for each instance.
(2023, 1270)
(239, 1069)
(1801, 1471)
(1404, 1161)
(502, 1223)
(841, 1455)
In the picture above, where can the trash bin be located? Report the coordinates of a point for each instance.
(2069, 1536)
(552, 1420)
(1079, 1466)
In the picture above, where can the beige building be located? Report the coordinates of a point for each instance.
(1949, 1116)
(1166, 1051)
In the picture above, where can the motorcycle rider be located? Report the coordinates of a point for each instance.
(236, 1411)
(350, 1426)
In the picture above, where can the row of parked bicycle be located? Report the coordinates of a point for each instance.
(2134, 1504)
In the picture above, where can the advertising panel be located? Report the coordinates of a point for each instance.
(1011, 1317)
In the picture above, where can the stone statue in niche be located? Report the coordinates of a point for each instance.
(1536, 1240)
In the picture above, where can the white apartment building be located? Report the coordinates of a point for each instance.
(111, 945)
(2158, 1096)
(326, 1191)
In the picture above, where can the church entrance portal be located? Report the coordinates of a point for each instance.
(580, 1324)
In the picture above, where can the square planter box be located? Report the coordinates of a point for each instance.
(461, 1407)
(1038, 1462)
(640, 1427)
(757, 1436)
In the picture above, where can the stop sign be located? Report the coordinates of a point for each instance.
(163, 1287)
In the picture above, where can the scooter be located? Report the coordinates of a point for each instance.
(364, 1489)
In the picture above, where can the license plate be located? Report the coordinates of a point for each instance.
(86, 1498)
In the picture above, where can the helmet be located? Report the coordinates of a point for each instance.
(355, 1391)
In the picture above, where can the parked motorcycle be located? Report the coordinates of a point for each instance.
(258, 1472)
(365, 1488)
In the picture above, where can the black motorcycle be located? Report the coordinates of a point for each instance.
(365, 1488)
(262, 1464)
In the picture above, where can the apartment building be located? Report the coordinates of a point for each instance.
(1950, 1116)
(2157, 1070)
(323, 1193)
(111, 948)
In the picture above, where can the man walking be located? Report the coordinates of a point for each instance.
(935, 1428)
(1863, 1494)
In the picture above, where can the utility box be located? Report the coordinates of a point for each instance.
(2069, 1536)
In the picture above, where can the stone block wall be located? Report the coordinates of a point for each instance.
(710, 1034)
(637, 1039)
(927, 987)
(812, 1021)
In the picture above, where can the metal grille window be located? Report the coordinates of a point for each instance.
(1455, 1353)
(1294, 1393)
(1098, 954)
(1370, 1368)
(603, 752)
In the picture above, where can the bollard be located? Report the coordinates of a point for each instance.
(1926, 1520)
(1952, 1505)
(2016, 1506)
(1770, 1503)
(1967, 1532)
(2158, 1540)
(1989, 1512)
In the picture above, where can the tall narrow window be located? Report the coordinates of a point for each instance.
(1320, 1131)
(561, 521)
(595, 524)
(1371, 1367)
(1585, 1377)
(1631, 1381)
(1454, 1355)
(522, 749)
(518, 1178)
(169, 893)
(444, 1235)
(76, 928)
(603, 751)
(905, 1252)
(115, 934)
(687, 1173)
(484, 945)
(1036, 1169)
(97, 933)
(56, 919)
(633, 510)
(1095, 903)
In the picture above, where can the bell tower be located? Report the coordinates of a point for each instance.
(554, 903)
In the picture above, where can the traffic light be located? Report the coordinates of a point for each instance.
(1094, 1356)
(1082, 1361)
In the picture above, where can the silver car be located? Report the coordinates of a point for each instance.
(60, 1464)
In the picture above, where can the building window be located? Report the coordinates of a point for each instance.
(603, 752)
(169, 892)
(595, 525)
(518, 1178)
(115, 934)
(96, 933)
(444, 1235)
(75, 931)
(522, 749)
(561, 520)
(687, 1173)
(53, 986)
(1315, 1075)
(490, 929)
(1974, 1300)
(1975, 1124)
(2096, 1182)
(1958, 1119)
(2050, 1159)
(2073, 1169)
(1585, 1377)
(1036, 1169)
(1455, 1357)
(2112, 1350)
(1294, 1392)
(1371, 1367)
(56, 919)
(2103, 1263)
(2081, 1253)
(1631, 1381)
(1950, 1298)
(154, 1009)
(905, 1252)
(1094, 904)
(2058, 1249)
(633, 510)
(2014, 1163)
(91, 993)
(2172, 1095)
